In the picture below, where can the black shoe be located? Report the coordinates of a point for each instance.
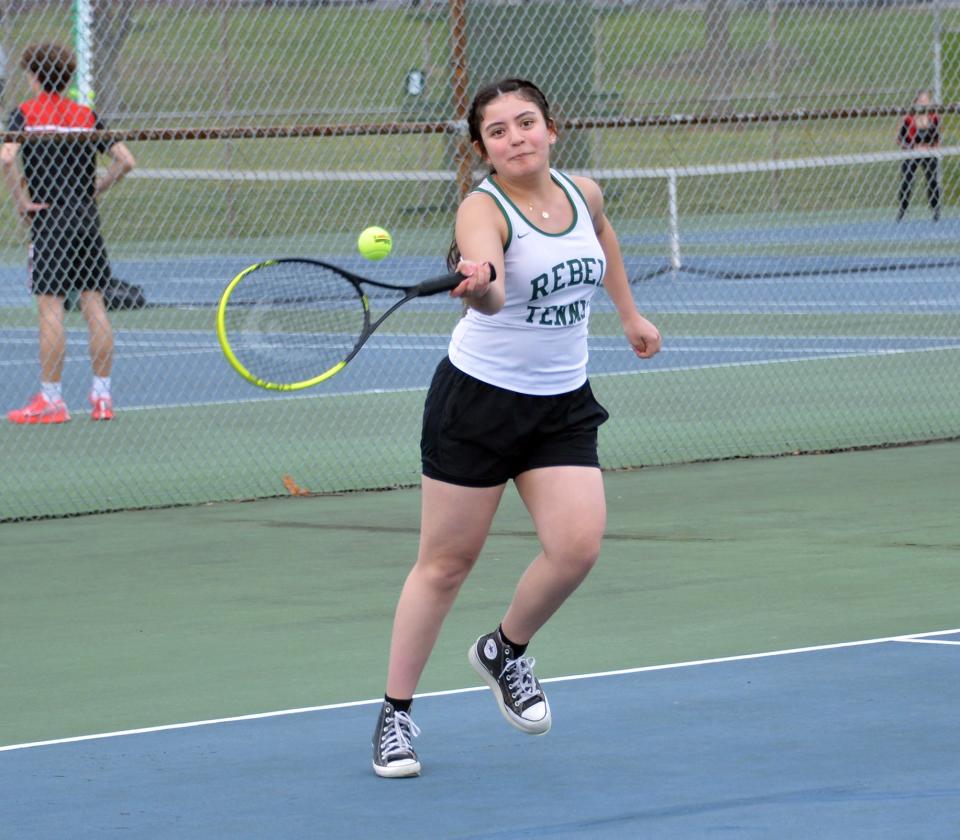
(393, 753)
(515, 688)
(936, 215)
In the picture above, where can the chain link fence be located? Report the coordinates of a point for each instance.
(753, 160)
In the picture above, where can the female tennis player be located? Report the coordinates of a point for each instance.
(511, 401)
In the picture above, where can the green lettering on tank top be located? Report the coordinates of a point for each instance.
(539, 285)
(557, 274)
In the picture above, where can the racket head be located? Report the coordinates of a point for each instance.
(289, 324)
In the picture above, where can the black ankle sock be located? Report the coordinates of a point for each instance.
(518, 650)
(398, 705)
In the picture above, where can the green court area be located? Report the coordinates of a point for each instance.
(145, 618)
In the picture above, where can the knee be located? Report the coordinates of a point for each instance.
(588, 559)
(446, 573)
(96, 317)
(579, 557)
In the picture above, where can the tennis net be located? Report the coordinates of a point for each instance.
(792, 217)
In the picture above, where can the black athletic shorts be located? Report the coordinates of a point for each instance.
(67, 253)
(478, 435)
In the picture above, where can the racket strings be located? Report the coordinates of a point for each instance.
(289, 322)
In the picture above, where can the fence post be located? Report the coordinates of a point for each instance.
(674, 219)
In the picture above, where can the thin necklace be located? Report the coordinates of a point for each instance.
(543, 213)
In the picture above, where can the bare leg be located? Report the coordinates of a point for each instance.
(100, 330)
(453, 528)
(53, 337)
(568, 508)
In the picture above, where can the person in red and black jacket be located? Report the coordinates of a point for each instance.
(920, 131)
(57, 191)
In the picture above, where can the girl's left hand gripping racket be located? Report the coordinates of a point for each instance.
(288, 324)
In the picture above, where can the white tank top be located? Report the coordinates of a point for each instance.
(536, 344)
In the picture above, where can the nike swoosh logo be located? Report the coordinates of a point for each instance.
(521, 235)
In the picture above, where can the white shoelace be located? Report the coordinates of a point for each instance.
(520, 679)
(396, 737)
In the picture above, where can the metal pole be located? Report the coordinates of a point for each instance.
(458, 37)
(937, 56)
(938, 84)
(674, 219)
(773, 103)
(83, 46)
(226, 69)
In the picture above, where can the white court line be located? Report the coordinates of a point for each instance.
(932, 306)
(332, 706)
(212, 350)
(927, 641)
(837, 352)
(276, 395)
(361, 391)
(142, 354)
(757, 362)
(799, 354)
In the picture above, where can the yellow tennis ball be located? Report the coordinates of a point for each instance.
(375, 243)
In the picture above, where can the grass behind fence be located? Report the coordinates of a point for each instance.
(260, 64)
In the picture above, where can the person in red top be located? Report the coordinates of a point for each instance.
(920, 131)
(57, 191)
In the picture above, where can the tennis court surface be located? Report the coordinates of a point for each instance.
(768, 648)
(196, 597)
(855, 741)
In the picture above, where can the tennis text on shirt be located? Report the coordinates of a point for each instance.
(588, 270)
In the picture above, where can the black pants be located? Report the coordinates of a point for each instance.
(908, 169)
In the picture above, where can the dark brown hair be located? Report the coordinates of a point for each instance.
(53, 65)
(525, 90)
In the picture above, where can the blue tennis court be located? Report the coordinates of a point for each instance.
(180, 368)
(162, 367)
(855, 740)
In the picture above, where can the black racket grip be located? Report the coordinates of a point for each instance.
(446, 283)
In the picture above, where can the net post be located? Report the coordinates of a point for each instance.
(674, 217)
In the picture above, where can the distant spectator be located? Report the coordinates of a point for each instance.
(57, 192)
(920, 131)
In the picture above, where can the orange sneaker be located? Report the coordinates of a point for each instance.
(102, 408)
(40, 410)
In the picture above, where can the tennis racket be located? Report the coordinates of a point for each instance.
(289, 324)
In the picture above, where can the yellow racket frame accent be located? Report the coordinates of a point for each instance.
(235, 362)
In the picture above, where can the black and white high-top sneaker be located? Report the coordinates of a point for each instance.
(393, 753)
(515, 688)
